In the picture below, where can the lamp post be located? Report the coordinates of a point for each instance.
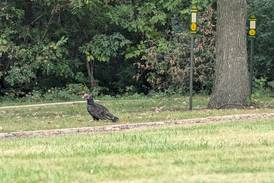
(252, 34)
(193, 30)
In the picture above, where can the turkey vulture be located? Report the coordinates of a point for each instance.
(98, 111)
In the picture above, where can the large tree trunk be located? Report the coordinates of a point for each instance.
(231, 86)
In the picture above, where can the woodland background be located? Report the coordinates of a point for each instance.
(60, 48)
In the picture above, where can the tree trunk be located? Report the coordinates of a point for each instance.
(90, 68)
(231, 85)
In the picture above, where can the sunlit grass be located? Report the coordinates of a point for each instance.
(239, 152)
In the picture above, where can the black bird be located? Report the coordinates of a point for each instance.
(98, 111)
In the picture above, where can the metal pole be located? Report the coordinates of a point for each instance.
(251, 64)
(191, 72)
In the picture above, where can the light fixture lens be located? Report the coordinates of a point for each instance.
(252, 24)
(194, 17)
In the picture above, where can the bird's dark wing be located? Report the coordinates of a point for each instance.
(94, 112)
(101, 112)
(101, 107)
(106, 114)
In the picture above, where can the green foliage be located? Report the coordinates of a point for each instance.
(70, 92)
(261, 84)
(103, 47)
(51, 59)
(135, 46)
(271, 84)
(18, 76)
(32, 66)
(165, 62)
(264, 45)
(143, 17)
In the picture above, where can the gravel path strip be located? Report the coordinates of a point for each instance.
(54, 104)
(123, 127)
(41, 105)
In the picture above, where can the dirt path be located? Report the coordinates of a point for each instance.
(123, 127)
(51, 104)
(42, 105)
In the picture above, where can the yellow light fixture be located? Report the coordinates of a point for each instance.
(252, 26)
(193, 26)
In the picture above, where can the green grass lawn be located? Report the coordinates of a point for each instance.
(238, 152)
(143, 109)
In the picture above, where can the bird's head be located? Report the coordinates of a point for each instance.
(87, 96)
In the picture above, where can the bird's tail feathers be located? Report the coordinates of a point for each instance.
(115, 119)
(112, 117)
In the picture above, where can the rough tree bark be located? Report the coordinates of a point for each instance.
(231, 85)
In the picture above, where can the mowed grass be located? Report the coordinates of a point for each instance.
(143, 109)
(238, 152)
